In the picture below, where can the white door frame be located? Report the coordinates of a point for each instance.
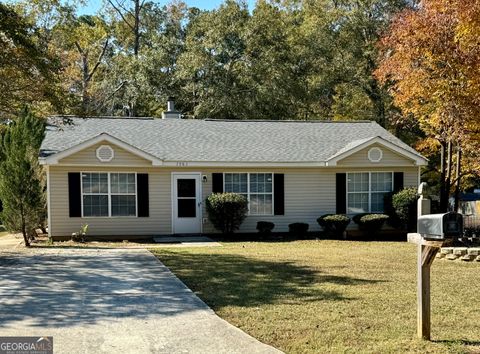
(198, 177)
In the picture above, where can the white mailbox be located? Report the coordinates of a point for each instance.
(440, 226)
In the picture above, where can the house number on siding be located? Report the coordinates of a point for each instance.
(182, 164)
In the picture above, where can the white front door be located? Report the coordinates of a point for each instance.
(187, 202)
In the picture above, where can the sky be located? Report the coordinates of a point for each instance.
(93, 5)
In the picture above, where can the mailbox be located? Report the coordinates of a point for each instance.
(440, 226)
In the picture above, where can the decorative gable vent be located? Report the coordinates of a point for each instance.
(105, 153)
(375, 154)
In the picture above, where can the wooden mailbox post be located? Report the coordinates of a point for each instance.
(426, 252)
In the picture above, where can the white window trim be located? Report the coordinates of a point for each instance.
(109, 196)
(369, 192)
(248, 190)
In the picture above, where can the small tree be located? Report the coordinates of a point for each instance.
(226, 211)
(21, 179)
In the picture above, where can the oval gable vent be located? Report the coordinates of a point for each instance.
(375, 154)
(105, 153)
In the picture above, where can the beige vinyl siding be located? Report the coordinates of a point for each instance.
(389, 158)
(121, 157)
(309, 193)
(159, 221)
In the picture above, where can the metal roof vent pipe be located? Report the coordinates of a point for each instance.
(171, 112)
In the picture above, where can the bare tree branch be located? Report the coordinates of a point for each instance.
(120, 13)
(80, 50)
(99, 60)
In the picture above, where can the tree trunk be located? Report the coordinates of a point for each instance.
(443, 204)
(136, 28)
(85, 79)
(458, 176)
(24, 228)
(448, 183)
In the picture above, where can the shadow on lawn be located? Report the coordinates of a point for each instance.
(223, 280)
(458, 341)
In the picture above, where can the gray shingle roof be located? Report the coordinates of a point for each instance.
(222, 141)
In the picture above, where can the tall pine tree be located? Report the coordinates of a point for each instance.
(21, 179)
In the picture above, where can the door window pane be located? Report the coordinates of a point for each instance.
(186, 187)
(187, 208)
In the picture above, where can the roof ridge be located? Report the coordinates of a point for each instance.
(70, 116)
(287, 120)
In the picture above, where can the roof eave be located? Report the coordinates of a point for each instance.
(418, 159)
(54, 159)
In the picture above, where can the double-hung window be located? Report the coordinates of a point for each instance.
(366, 191)
(109, 194)
(256, 187)
(95, 194)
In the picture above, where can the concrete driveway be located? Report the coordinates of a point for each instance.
(110, 301)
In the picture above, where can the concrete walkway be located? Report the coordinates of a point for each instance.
(110, 301)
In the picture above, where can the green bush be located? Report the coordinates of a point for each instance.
(388, 209)
(405, 206)
(226, 211)
(334, 223)
(298, 228)
(265, 227)
(370, 223)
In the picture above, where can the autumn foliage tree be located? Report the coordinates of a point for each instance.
(431, 61)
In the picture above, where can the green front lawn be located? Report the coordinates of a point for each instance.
(333, 296)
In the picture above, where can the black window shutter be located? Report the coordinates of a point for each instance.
(279, 194)
(341, 192)
(397, 181)
(74, 195)
(217, 182)
(142, 195)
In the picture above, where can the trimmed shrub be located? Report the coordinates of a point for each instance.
(298, 228)
(405, 205)
(388, 209)
(370, 223)
(334, 223)
(226, 211)
(265, 227)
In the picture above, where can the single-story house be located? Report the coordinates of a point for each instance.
(130, 177)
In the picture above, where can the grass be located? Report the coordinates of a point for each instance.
(333, 296)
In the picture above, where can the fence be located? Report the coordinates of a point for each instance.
(471, 225)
